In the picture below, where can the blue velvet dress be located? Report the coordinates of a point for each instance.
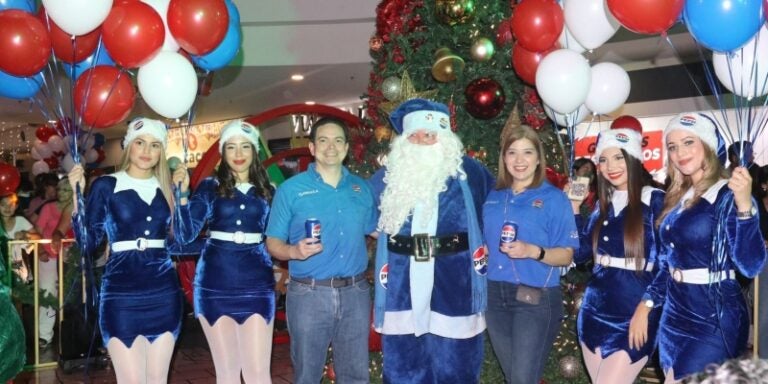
(612, 294)
(234, 280)
(140, 292)
(704, 323)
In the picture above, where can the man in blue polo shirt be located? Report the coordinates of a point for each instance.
(328, 300)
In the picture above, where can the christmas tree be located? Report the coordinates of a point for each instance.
(459, 52)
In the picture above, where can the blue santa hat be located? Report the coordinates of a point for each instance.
(416, 114)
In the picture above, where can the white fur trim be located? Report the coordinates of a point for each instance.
(239, 128)
(622, 138)
(429, 120)
(145, 126)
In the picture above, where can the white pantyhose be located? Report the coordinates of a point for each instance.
(237, 348)
(143, 362)
(617, 368)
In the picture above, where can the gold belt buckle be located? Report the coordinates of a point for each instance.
(422, 247)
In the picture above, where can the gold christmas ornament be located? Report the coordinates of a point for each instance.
(570, 367)
(390, 87)
(513, 122)
(382, 133)
(482, 49)
(447, 65)
(454, 12)
(407, 92)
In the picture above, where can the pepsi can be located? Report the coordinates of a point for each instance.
(508, 233)
(312, 229)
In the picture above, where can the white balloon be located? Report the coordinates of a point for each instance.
(563, 80)
(168, 84)
(567, 40)
(91, 155)
(77, 17)
(56, 143)
(67, 162)
(39, 167)
(34, 154)
(609, 89)
(573, 118)
(745, 78)
(87, 141)
(43, 149)
(590, 22)
(161, 7)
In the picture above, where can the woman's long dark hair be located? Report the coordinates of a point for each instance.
(634, 230)
(256, 176)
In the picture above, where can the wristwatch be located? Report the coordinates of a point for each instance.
(541, 254)
(648, 303)
(747, 214)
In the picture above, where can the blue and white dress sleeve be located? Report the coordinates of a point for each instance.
(89, 228)
(193, 215)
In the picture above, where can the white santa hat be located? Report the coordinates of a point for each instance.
(417, 114)
(623, 138)
(239, 128)
(697, 124)
(145, 126)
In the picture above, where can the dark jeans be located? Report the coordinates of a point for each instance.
(522, 334)
(762, 314)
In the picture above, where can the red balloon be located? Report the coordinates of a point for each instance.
(64, 47)
(44, 133)
(104, 96)
(526, 62)
(9, 179)
(627, 121)
(646, 16)
(52, 162)
(485, 98)
(198, 26)
(537, 24)
(24, 43)
(133, 33)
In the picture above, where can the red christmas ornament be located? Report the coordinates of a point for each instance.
(627, 121)
(485, 98)
(44, 133)
(9, 179)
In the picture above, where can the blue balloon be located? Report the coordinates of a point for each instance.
(93, 60)
(227, 49)
(24, 5)
(723, 25)
(20, 88)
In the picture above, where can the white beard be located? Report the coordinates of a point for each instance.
(416, 174)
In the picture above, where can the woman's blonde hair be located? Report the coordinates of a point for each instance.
(160, 170)
(504, 179)
(679, 184)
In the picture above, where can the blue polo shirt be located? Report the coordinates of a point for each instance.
(346, 215)
(544, 217)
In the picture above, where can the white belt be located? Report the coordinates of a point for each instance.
(619, 262)
(238, 237)
(139, 244)
(700, 275)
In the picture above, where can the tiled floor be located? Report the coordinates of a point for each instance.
(191, 364)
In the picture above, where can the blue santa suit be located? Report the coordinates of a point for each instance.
(442, 344)
(234, 280)
(703, 324)
(612, 294)
(140, 294)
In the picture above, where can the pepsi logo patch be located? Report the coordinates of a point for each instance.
(688, 120)
(383, 273)
(246, 129)
(428, 117)
(622, 138)
(355, 188)
(480, 261)
(138, 125)
(443, 123)
(538, 203)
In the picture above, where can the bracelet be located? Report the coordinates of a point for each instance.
(541, 254)
(183, 195)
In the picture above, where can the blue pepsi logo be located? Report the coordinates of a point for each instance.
(383, 274)
(688, 120)
(622, 138)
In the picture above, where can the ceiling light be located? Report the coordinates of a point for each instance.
(297, 77)
(309, 102)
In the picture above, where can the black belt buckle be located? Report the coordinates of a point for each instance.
(423, 247)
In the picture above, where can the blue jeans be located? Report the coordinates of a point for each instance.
(762, 314)
(321, 316)
(522, 334)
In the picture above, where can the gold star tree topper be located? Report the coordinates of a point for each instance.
(407, 92)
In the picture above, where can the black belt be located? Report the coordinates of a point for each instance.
(333, 282)
(422, 246)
